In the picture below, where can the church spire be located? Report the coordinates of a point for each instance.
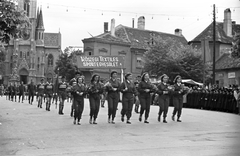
(40, 20)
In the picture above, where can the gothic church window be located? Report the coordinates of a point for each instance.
(27, 6)
(20, 54)
(139, 62)
(50, 60)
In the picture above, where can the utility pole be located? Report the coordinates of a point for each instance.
(214, 40)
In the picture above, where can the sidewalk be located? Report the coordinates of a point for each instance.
(26, 130)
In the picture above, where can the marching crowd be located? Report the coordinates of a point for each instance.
(139, 93)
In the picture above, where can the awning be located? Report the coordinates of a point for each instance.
(190, 81)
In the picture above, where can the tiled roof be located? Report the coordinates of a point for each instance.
(227, 62)
(107, 37)
(141, 38)
(220, 34)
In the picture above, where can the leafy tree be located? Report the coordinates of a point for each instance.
(236, 47)
(173, 58)
(12, 21)
(64, 65)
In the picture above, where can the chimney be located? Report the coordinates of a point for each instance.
(227, 22)
(141, 22)
(113, 27)
(133, 23)
(178, 32)
(105, 27)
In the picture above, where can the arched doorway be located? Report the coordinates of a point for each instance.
(23, 73)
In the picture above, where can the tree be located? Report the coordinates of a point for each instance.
(64, 65)
(173, 58)
(12, 21)
(235, 51)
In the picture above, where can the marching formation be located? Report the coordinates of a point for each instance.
(139, 93)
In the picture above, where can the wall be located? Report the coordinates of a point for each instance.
(225, 81)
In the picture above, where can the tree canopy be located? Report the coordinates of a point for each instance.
(171, 57)
(64, 65)
(12, 21)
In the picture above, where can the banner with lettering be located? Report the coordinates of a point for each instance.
(100, 61)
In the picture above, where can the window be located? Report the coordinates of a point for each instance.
(21, 54)
(38, 59)
(50, 60)
(38, 66)
(89, 53)
(42, 36)
(139, 61)
(27, 6)
(28, 54)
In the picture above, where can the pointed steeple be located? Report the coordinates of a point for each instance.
(37, 17)
(40, 20)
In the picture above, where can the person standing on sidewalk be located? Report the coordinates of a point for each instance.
(112, 89)
(79, 91)
(31, 92)
(62, 93)
(145, 87)
(21, 89)
(1, 90)
(49, 93)
(179, 91)
(95, 90)
(40, 90)
(129, 93)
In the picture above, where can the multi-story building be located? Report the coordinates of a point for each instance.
(129, 42)
(34, 55)
(227, 68)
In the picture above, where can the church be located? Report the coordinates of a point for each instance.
(32, 57)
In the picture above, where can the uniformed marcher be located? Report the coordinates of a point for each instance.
(21, 89)
(178, 93)
(129, 93)
(73, 82)
(95, 90)
(112, 89)
(164, 91)
(145, 88)
(40, 90)
(49, 93)
(31, 92)
(79, 92)
(62, 94)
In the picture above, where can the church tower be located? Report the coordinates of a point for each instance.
(39, 28)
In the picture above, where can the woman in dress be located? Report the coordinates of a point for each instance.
(145, 87)
(79, 91)
(95, 90)
(129, 92)
(112, 89)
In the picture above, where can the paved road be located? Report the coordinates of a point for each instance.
(26, 130)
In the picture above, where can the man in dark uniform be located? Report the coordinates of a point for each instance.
(40, 90)
(31, 92)
(49, 93)
(138, 79)
(62, 93)
(21, 89)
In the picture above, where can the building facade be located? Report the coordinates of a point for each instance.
(227, 68)
(129, 42)
(34, 55)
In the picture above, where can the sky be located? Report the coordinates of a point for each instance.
(79, 19)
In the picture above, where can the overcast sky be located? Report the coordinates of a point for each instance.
(77, 18)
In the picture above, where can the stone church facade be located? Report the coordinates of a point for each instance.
(34, 55)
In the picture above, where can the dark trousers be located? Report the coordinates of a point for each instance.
(30, 97)
(145, 105)
(163, 103)
(19, 97)
(112, 105)
(94, 106)
(78, 108)
(178, 104)
(127, 105)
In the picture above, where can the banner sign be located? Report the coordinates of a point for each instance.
(100, 61)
